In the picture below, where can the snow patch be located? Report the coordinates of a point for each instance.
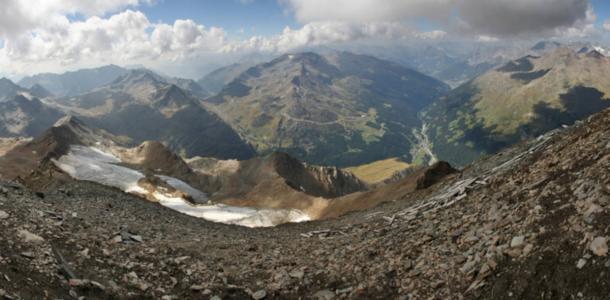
(184, 187)
(93, 164)
(243, 216)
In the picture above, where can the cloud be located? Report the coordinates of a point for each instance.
(128, 37)
(18, 16)
(477, 17)
(606, 25)
(124, 38)
(517, 17)
(321, 33)
(367, 10)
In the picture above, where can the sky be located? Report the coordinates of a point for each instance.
(186, 37)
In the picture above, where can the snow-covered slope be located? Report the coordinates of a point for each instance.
(93, 164)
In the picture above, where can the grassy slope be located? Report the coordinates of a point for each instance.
(509, 104)
(378, 171)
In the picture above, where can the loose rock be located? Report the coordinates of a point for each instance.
(599, 246)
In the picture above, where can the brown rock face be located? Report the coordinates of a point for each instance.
(327, 182)
(434, 174)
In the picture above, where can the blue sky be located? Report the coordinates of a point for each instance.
(602, 10)
(258, 17)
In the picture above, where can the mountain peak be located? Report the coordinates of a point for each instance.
(138, 76)
(5, 82)
(69, 120)
(595, 54)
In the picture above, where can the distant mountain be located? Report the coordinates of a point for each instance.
(189, 85)
(546, 46)
(522, 99)
(23, 117)
(82, 81)
(8, 90)
(338, 109)
(39, 91)
(215, 81)
(76, 82)
(143, 106)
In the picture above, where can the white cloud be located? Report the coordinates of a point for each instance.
(607, 25)
(321, 33)
(129, 37)
(18, 16)
(123, 38)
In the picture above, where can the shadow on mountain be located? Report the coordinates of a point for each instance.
(475, 139)
(579, 103)
(520, 65)
(529, 76)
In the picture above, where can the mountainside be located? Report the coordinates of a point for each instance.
(76, 82)
(142, 106)
(275, 181)
(215, 81)
(8, 90)
(519, 100)
(83, 81)
(23, 117)
(338, 109)
(39, 91)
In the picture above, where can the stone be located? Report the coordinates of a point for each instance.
(297, 274)
(117, 239)
(137, 238)
(259, 295)
(75, 282)
(28, 255)
(581, 263)
(324, 295)
(517, 241)
(197, 288)
(29, 237)
(215, 298)
(3, 215)
(599, 246)
(98, 285)
(468, 266)
(527, 249)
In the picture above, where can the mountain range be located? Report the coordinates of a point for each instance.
(521, 99)
(83, 81)
(143, 106)
(337, 109)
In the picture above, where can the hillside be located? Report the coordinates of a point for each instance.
(75, 82)
(216, 80)
(519, 100)
(143, 106)
(23, 117)
(339, 109)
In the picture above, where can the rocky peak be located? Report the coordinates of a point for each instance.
(328, 182)
(138, 76)
(39, 91)
(595, 54)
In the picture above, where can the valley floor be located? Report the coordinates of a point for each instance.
(519, 225)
